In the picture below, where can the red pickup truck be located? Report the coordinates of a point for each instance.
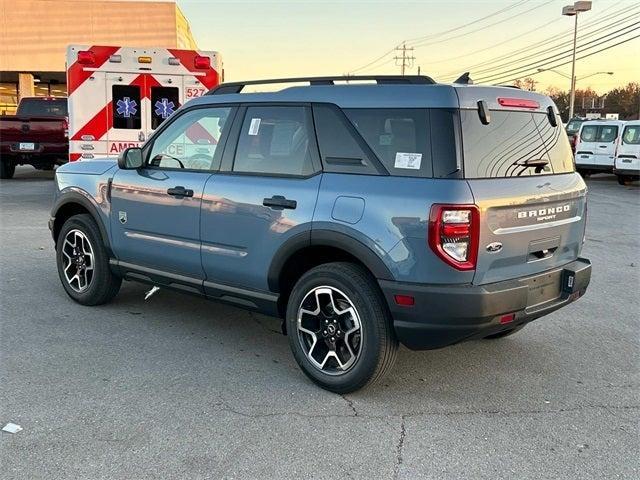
(38, 135)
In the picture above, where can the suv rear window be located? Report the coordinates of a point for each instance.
(403, 140)
(513, 144)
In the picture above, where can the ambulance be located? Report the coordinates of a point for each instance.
(118, 96)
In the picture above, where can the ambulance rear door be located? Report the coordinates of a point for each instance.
(129, 115)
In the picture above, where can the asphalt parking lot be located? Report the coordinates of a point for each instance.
(178, 387)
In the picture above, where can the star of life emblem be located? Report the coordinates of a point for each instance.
(126, 107)
(164, 108)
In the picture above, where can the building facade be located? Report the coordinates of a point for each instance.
(34, 35)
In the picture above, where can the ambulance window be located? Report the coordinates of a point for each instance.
(126, 107)
(191, 140)
(164, 101)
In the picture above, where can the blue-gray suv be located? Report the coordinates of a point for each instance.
(365, 213)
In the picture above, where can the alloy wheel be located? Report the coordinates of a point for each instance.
(77, 260)
(329, 330)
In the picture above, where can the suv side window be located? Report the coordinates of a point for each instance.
(339, 150)
(190, 142)
(275, 140)
(400, 137)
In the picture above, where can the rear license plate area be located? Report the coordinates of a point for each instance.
(26, 146)
(544, 288)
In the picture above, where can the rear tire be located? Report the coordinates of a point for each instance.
(348, 347)
(624, 179)
(584, 173)
(83, 262)
(504, 333)
(7, 169)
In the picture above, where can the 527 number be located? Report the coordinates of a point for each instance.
(195, 92)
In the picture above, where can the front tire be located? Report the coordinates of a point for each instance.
(83, 262)
(340, 330)
(7, 169)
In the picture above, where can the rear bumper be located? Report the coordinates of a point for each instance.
(446, 314)
(632, 172)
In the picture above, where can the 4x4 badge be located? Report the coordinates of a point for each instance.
(122, 216)
(494, 247)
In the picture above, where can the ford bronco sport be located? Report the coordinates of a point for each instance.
(363, 214)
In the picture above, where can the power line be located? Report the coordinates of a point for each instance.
(568, 62)
(544, 43)
(562, 55)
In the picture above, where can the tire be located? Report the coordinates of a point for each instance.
(504, 333)
(95, 284)
(372, 347)
(7, 169)
(583, 173)
(624, 179)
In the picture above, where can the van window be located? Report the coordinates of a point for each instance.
(126, 110)
(631, 135)
(400, 137)
(513, 144)
(164, 101)
(599, 133)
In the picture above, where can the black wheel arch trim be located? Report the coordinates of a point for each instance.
(326, 238)
(76, 197)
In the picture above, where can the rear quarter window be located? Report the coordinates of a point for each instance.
(35, 107)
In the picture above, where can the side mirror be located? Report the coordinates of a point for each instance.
(130, 159)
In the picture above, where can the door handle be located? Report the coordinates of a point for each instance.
(180, 192)
(602, 146)
(278, 202)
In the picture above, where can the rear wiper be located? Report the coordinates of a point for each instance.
(538, 163)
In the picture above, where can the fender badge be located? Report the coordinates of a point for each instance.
(122, 216)
(494, 247)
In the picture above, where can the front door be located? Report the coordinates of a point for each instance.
(155, 218)
(264, 195)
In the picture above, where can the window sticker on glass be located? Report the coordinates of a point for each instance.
(254, 127)
(385, 139)
(408, 160)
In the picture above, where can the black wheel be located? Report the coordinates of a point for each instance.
(504, 333)
(83, 262)
(340, 330)
(584, 173)
(7, 169)
(624, 179)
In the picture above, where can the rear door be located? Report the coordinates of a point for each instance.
(165, 97)
(532, 204)
(606, 145)
(264, 195)
(128, 112)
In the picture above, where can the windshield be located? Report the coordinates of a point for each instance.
(513, 144)
(56, 107)
(631, 135)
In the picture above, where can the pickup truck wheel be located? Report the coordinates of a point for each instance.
(504, 333)
(340, 330)
(623, 179)
(83, 262)
(7, 169)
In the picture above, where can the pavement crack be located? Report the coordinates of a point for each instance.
(255, 319)
(350, 403)
(399, 447)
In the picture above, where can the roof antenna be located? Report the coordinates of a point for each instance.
(464, 79)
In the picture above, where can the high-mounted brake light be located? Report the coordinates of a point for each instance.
(454, 232)
(201, 63)
(86, 57)
(518, 102)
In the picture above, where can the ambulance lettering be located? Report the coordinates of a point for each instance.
(117, 147)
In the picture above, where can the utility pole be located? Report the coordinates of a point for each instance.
(404, 61)
(573, 11)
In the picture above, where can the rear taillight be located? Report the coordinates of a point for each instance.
(454, 232)
(65, 126)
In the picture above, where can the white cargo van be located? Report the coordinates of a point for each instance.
(627, 164)
(596, 146)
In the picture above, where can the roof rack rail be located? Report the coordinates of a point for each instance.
(237, 87)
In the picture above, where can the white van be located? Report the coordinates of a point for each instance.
(596, 146)
(627, 164)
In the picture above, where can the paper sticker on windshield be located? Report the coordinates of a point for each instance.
(408, 160)
(254, 127)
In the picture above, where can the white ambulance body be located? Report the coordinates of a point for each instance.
(118, 96)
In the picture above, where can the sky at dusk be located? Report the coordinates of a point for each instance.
(262, 39)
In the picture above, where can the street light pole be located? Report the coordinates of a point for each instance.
(573, 11)
(572, 95)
